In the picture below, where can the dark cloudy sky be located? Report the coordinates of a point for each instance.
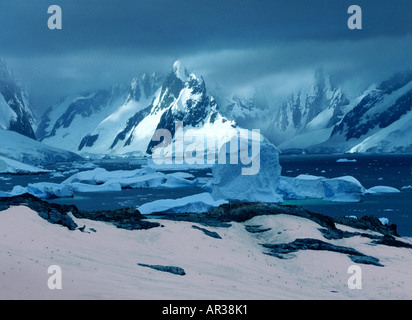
(237, 43)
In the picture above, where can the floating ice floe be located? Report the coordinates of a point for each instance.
(381, 189)
(145, 177)
(44, 190)
(101, 180)
(84, 188)
(341, 189)
(199, 203)
(87, 165)
(346, 160)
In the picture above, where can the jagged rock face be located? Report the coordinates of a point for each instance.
(124, 122)
(298, 113)
(192, 106)
(322, 119)
(317, 118)
(16, 114)
(81, 107)
(369, 114)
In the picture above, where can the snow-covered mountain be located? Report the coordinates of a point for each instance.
(313, 110)
(381, 120)
(123, 122)
(323, 119)
(20, 148)
(72, 121)
(15, 111)
(319, 117)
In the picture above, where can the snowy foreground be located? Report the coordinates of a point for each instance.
(101, 262)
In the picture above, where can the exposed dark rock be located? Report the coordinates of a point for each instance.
(125, 218)
(277, 250)
(256, 229)
(54, 213)
(339, 234)
(171, 269)
(365, 260)
(391, 241)
(208, 232)
(368, 223)
(241, 212)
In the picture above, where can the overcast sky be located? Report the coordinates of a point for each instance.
(236, 43)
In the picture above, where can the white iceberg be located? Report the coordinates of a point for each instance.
(145, 177)
(199, 203)
(346, 160)
(100, 175)
(84, 188)
(44, 190)
(340, 189)
(302, 187)
(343, 189)
(381, 189)
(230, 183)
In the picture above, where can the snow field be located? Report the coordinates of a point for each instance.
(103, 264)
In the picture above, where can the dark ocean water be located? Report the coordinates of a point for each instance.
(370, 170)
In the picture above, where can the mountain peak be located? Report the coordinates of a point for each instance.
(180, 71)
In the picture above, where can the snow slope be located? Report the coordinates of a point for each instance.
(21, 148)
(12, 166)
(101, 263)
(397, 137)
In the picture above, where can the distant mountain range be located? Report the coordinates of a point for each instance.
(323, 119)
(15, 111)
(121, 120)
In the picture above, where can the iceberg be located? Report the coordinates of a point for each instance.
(302, 187)
(381, 189)
(198, 203)
(346, 160)
(230, 183)
(44, 190)
(84, 188)
(340, 189)
(343, 189)
(145, 177)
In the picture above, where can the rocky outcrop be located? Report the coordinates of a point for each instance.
(208, 232)
(171, 269)
(125, 218)
(279, 250)
(54, 213)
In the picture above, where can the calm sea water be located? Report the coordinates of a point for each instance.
(370, 170)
